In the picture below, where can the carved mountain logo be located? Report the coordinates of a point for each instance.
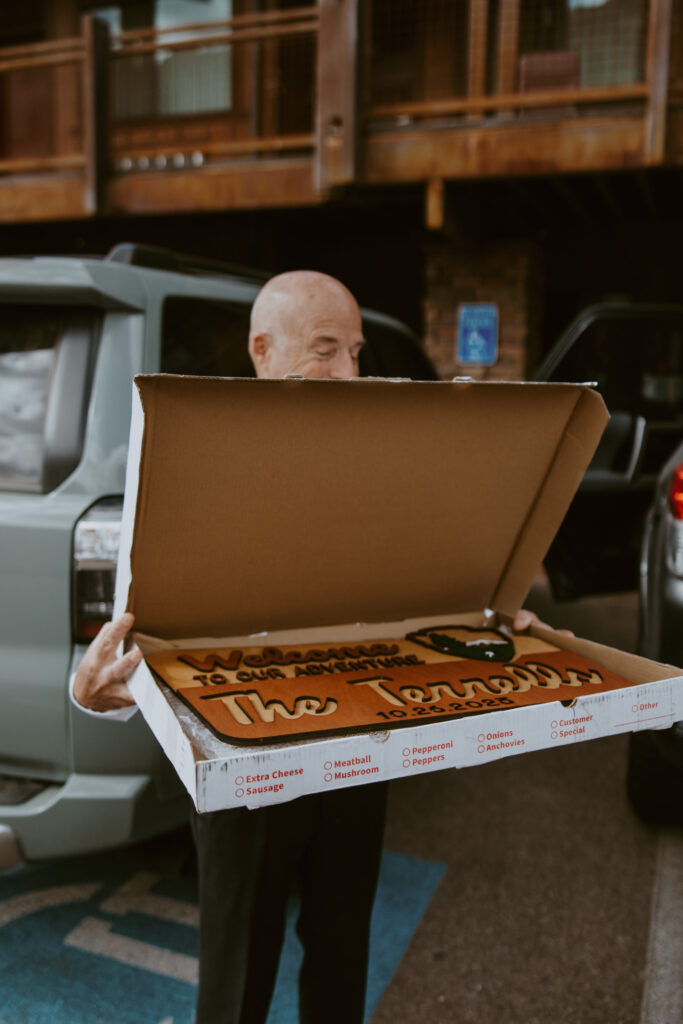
(466, 642)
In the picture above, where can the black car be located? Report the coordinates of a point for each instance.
(655, 774)
(624, 529)
(633, 353)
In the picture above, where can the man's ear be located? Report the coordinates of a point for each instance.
(259, 350)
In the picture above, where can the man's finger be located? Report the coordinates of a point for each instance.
(525, 618)
(112, 633)
(103, 648)
(123, 668)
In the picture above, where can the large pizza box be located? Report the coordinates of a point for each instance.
(323, 576)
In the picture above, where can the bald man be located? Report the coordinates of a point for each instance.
(308, 324)
(329, 844)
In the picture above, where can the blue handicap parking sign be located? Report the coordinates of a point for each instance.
(477, 334)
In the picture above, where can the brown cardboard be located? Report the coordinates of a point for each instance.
(286, 512)
(269, 505)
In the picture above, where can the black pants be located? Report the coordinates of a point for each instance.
(329, 844)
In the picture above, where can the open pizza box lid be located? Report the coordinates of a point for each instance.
(263, 512)
(260, 505)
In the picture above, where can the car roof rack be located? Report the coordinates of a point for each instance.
(156, 258)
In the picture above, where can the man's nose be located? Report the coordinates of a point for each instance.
(344, 366)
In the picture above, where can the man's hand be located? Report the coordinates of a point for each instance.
(525, 618)
(100, 679)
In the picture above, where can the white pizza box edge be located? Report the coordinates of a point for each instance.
(257, 776)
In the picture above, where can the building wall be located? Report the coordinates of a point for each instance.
(507, 273)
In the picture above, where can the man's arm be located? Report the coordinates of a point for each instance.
(99, 683)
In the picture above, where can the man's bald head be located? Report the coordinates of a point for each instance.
(306, 323)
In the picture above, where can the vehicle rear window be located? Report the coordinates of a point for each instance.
(46, 361)
(28, 339)
(205, 338)
(637, 364)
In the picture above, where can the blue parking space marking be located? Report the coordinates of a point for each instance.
(100, 940)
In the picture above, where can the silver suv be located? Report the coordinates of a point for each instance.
(73, 332)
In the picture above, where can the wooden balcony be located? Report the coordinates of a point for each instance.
(285, 107)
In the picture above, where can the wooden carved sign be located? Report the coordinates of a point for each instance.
(255, 695)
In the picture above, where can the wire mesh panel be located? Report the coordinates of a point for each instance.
(423, 51)
(607, 38)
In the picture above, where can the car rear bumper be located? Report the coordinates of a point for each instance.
(85, 814)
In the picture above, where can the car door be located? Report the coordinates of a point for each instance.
(634, 356)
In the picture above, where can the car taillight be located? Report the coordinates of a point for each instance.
(96, 545)
(676, 493)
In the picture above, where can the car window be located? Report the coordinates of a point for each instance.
(205, 338)
(637, 364)
(28, 341)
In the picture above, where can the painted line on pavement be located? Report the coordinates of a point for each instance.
(663, 990)
(40, 899)
(136, 896)
(94, 936)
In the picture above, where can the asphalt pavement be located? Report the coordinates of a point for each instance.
(524, 891)
(558, 905)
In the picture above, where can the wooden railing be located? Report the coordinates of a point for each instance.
(511, 62)
(33, 70)
(284, 84)
(266, 68)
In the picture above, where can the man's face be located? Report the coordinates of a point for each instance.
(319, 337)
(324, 346)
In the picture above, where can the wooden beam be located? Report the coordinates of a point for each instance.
(67, 129)
(521, 101)
(508, 45)
(42, 164)
(59, 58)
(242, 147)
(337, 94)
(41, 199)
(95, 109)
(38, 49)
(477, 47)
(216, 39)
(507, 148)
(275, 17)
(263, 184)
(658, 55)
(434, 204)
